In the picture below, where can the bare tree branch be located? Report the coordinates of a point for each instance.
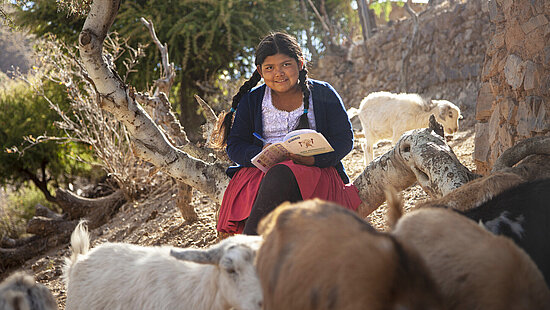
(408, 52)
(164, 84)
(321, 19)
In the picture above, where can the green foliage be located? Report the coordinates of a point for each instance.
(41, 17)
(341, 15)
(204, 37)
(384, 6)
(16, 208)
(25, 114)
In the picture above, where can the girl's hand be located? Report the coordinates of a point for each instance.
(302, 160)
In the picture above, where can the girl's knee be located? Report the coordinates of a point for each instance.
(279, 172)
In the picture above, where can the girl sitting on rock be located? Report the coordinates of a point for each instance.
(287, 101)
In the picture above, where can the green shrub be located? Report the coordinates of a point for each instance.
(24, 118)
(17, 207)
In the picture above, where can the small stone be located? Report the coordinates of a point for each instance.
(514, 71)
(484, 104)
(534, 23)
(530, 71)
(495, 14)
(498, 40)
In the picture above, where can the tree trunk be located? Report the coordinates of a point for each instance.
(419, 156)
(365, 19)
(40, 210)
(44, 226)
(510, 157)
(183, 202)
(404, 74)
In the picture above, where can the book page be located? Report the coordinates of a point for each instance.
(270, 156)
(297, 133)
(307, 143)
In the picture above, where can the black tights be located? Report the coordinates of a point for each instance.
(278, 185)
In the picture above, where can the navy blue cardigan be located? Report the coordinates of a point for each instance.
(331, 120)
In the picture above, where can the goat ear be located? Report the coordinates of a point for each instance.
(207, 256)
(460, 116)
(443, 113)
(436, 127)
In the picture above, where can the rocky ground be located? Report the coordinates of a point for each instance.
(156, 220)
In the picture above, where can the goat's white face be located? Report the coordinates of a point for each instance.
(448, 115)
(238, 279)
(238, 283)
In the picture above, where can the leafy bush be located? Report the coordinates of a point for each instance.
(25, 118)
(16, 208)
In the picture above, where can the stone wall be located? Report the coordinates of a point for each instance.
(514, 97)
(446, 62)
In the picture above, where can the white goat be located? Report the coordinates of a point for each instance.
(386, 115)
(20, 292)
(126, 276)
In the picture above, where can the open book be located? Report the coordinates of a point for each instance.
(305, 142)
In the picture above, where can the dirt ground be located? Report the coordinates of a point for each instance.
(156, 220)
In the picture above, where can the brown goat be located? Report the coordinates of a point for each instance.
(473, 268)
(318, 255)
(528, 160)
(476, 192)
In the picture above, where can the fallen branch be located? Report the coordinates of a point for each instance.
(96, 210)
(40, 210)
(44, 226)
(533, 145)
(13, 257)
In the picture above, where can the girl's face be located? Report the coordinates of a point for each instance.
(280, 72)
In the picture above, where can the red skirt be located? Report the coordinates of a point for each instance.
(314, 182)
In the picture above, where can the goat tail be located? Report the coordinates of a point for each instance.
(80, 244)
(395, 206)
(352, 112)
(80, 241)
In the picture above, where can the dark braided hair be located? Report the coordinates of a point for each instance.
(303, 122)
(273, 43)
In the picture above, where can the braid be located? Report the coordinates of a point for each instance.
(302, 81)
(222, 130)
(245, 88)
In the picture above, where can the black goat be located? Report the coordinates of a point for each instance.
(521, 213)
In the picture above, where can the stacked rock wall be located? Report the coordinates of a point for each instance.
(446, 62)
(491, 57)
(514, 97)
